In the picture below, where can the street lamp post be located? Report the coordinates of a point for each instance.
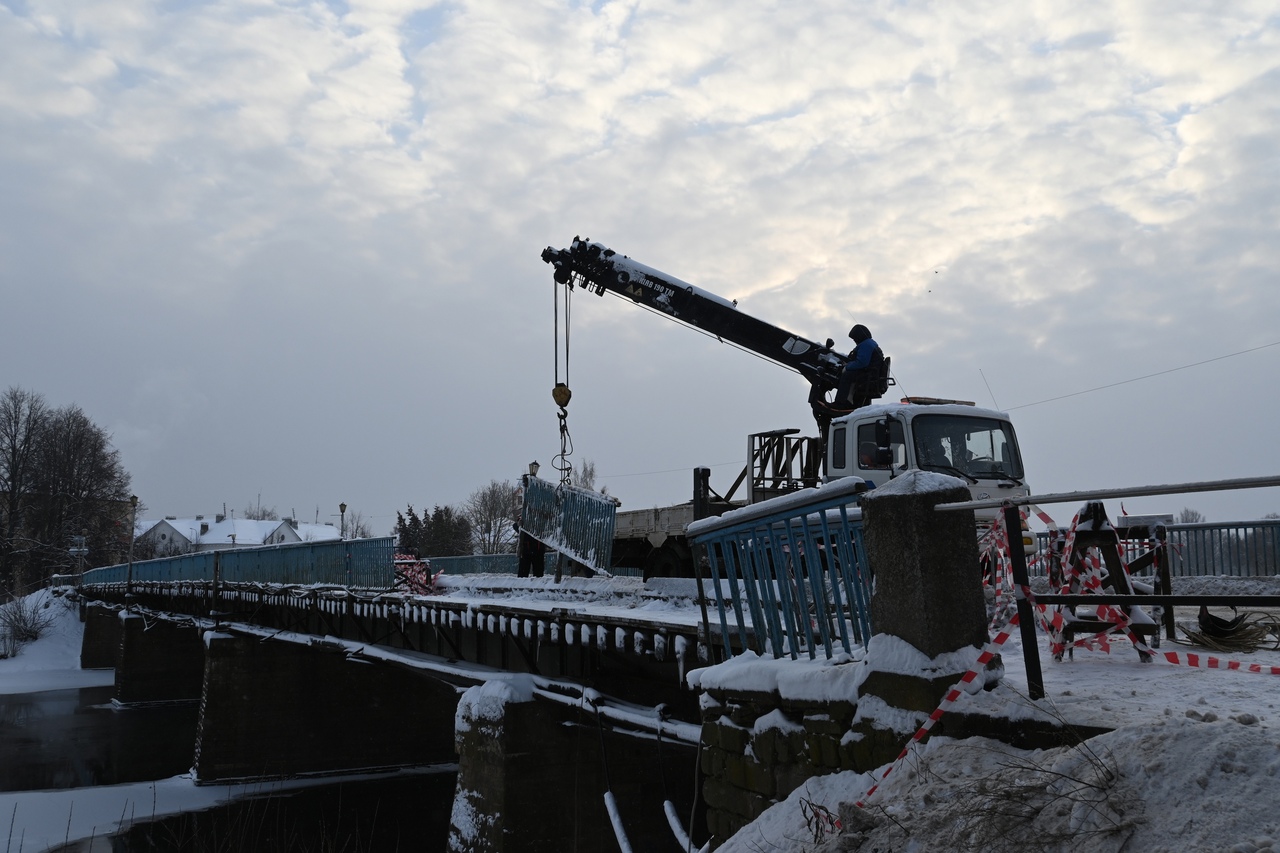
(342, 511)
(133, 530)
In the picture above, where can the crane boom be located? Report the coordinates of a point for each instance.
(597, 268)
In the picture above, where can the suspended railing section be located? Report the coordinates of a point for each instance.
(572, 521)
(356, 563)
(790, 573)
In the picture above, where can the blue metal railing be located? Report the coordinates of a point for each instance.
(1230, 548)
(793, 573)
(573, 521)
(360, 563)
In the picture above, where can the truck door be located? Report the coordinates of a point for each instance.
(866, 465)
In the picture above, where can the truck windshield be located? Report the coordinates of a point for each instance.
(982, 448)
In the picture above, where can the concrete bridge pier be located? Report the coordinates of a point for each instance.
(100, 645)
(160, 661)
(533, 775)
(276, 708)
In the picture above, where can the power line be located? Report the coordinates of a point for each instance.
(1140, 378)
(667, 471)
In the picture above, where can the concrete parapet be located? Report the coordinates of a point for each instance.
(274, 708)
(928, 583)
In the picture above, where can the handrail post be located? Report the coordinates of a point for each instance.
(1026, 620)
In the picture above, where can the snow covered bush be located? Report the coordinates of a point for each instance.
(24, 620)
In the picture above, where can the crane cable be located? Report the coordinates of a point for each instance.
(561, 393)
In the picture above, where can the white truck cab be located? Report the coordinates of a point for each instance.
(953, 437)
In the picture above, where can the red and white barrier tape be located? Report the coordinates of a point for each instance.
(989, 651)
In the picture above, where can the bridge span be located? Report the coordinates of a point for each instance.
(558, 698)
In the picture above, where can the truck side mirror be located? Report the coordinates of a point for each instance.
(884, 450)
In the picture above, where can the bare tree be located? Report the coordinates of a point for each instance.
(258, 512)
(1190, 516)
(22, 418)
(584, 477)
(80, 486)
(62, 482)
(491, 510)
(357, 526)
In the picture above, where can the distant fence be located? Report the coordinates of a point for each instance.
(1230, 548)
(791, 574)
(362, 563)
(506, 564)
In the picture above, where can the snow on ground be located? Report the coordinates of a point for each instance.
(53, 663)
(1193, 764)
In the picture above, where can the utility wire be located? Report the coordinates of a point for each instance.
(1147, 376)
(667, 471)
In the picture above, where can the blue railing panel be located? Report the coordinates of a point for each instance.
(576, 522)
(790, 573)
(1231, 549)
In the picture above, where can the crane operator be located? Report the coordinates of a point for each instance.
(862, 372)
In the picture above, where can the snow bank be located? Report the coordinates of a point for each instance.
(52, 662)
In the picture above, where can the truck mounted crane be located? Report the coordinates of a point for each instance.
(596, 268)
(873, 442)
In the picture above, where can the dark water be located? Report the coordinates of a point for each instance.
(77, 738)
(394, 814)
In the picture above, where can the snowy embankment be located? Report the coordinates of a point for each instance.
(1192, 764)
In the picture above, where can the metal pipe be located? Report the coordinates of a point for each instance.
(1105, 494)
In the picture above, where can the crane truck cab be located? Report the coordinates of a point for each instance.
(976, 445)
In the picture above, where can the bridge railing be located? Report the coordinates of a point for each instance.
(791, 573)
(507, 564)
(1230, 548)
(361, 563)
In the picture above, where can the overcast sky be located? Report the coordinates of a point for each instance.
(289, 252)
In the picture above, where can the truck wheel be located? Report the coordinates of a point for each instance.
(672, 560)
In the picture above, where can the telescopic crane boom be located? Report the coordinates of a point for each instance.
(597, 268)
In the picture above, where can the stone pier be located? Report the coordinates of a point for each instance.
(100, 646)
(160, 660)
(533, 774)
(276, 708)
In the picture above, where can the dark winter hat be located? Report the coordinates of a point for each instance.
(859, 333)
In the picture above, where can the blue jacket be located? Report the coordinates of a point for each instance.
(860, 358)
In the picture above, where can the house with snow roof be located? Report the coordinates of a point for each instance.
(172, 535)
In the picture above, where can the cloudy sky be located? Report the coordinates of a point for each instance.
(288, 252)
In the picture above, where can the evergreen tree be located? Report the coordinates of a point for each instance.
(445, 532)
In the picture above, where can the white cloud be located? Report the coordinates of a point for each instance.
(1049, 189)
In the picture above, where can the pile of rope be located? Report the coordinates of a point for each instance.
(1249, 632)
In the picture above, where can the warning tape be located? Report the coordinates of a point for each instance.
(989, 651)
(1053, 623)
(1043, 516)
